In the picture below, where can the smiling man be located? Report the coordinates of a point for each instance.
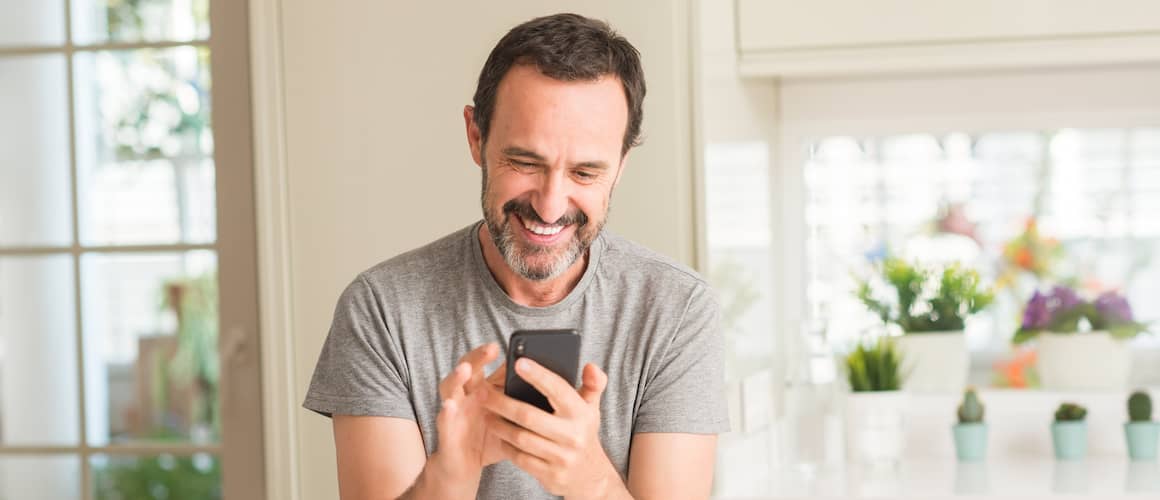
(557, 109)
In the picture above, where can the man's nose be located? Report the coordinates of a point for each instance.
(551, 200)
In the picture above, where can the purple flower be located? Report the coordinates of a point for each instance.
(1037, 315)
(1063, 299)
(1113, 309)
(1044, 309)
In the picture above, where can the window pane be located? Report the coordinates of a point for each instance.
(35, 206)
(38, 374)
(37, 477)
(964, 197)
(98, 21)
(151, 366)
(144, 147)
(31, 22)
(195, 477)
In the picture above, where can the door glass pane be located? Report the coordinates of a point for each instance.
(144, 147)
(172, 477)
(31, 22)
(151, 357)
(40, 477)
(100, 21)
(38, 357)
(35, 198)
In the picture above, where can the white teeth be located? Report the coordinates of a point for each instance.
(542, 230)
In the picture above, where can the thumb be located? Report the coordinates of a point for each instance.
(594, 383)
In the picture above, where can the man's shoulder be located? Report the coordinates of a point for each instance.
(446, 255)
(625, 257)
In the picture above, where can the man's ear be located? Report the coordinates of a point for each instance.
(474, 140)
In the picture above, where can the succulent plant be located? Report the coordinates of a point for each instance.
(877, 367)
(971, 410)
(1140, 407)
(1070, 412)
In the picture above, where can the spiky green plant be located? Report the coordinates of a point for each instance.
(971, 409)
(1070, 412)
(1140, 407)
(925, 299)
(875, 367)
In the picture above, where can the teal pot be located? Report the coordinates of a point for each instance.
(1142, 439)
(1069, 440)
(970, 441)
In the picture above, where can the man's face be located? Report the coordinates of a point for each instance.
(551, 159)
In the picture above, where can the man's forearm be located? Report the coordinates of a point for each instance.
(611, 487)
(436, 482)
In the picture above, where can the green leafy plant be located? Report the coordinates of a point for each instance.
(163, 476)
(877, 367)
(924, 299)
(1070, 412)
(971, 409)
(1140, 407)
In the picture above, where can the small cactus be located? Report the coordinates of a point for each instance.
(1070, 412)
(1140, 407)
(971, 410)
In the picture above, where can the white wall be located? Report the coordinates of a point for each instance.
(375, 159)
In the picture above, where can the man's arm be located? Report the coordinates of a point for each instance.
(671, 465)
(366, 469)
(382, 458)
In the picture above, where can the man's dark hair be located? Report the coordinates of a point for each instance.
(566, 47)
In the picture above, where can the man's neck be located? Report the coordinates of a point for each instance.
(523, 291)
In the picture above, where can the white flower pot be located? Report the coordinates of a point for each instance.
(1082, 361)
(875, 426)
(934, 361)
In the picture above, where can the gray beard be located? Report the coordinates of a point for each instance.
(517, 256)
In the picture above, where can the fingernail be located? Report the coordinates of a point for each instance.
(522, 364)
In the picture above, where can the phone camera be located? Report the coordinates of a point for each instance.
(520, 347)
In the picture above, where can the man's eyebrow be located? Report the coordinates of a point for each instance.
(527, 153)
(518, 151)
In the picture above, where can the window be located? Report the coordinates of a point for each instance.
(858, 167)
(115, 276)
(963, 197)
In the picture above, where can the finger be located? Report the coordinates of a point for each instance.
(525, 415)
(531, 464)
(524, 440)
(594, 383)
(559, 392)
(444, 421)
(452, 385)
(498, 378)
(480, 356)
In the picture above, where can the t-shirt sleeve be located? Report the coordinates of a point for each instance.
(361, 370)
(686, 391)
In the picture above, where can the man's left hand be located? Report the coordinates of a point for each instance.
(561, 450)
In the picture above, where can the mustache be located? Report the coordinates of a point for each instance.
(525, 211)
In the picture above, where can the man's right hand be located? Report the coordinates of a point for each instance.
(464, 446)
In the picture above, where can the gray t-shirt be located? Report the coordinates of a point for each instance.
(648, 322)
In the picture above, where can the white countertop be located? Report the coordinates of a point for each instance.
(1103, 479)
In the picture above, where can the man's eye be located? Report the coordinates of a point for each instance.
(524, 164)
(585, 175)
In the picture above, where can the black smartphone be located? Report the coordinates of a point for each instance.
(556, 350)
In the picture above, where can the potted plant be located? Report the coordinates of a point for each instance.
(1140, 431)
(930, 306)
(1081, 344)
(874, 409)
(971, 432)
(1069, 432)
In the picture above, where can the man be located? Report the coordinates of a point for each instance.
(402, 372)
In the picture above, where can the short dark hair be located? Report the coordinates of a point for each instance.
(566, 47)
